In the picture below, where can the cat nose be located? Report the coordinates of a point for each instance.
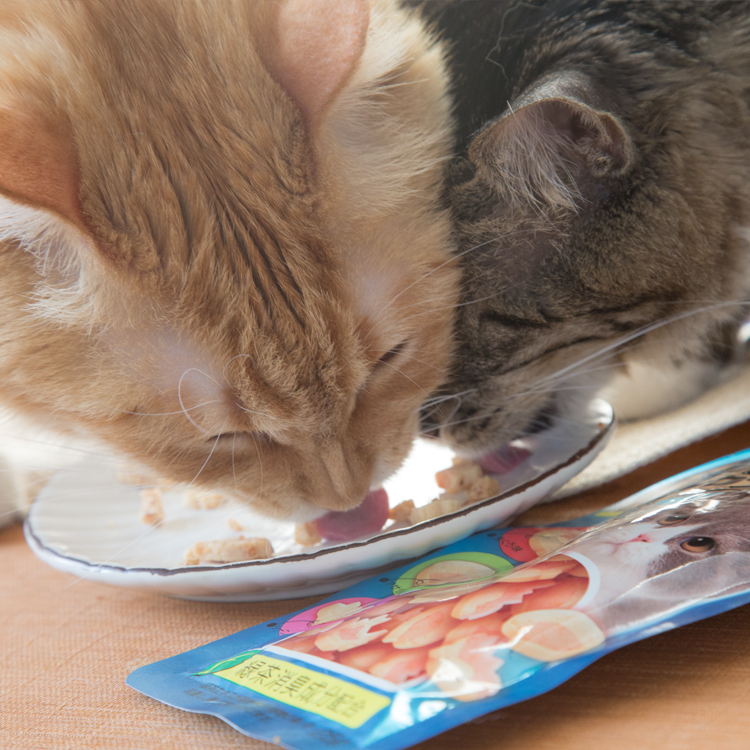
(334, 498)
(641, 538)
(341, 482)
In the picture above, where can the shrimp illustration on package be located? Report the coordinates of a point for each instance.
(492, 620)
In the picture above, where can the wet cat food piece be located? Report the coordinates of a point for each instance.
(459, 477)
(483, 489)
(131, 475)
(228, 551)
(200, 500)
(234, 524)
(435, 509)
(368, 517)
(449, 502)
(464, 484)
(152, 508)
(461, 497)
(401, 513)
(306, 534)
(552, 634)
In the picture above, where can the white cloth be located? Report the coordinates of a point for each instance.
(638, 443)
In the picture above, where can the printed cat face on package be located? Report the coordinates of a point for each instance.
(655, 556)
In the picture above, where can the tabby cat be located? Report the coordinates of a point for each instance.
(601, 188)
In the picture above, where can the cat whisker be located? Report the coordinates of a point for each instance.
(454, 307)
(166, 413)
(612, 348)
(652, 360)
(59, 446)
(452, 259)
(393, 367)
(73, 493)
(213, 448)
(237, 356)
(422, 362)
(551, 383)
(113, 558)
(439, 399)
(179, 398)
(419, 303)
(8, 514)
(234, 473)
(400, 84)
(429, 409)
(259, 413)
(526, 430)
(260, 464)
(642, 331)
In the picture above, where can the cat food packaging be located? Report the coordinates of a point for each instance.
(489, 621)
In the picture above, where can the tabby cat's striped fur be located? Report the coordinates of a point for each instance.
(602, 187)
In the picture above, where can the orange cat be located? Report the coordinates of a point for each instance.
(221, 249)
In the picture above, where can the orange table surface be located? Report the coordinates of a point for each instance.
(66, 647)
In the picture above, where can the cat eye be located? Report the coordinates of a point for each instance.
(388, 356)
(673, 518)
(222, 436)
(698, 544)
(256, 436)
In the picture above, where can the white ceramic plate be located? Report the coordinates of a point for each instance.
(86, 523)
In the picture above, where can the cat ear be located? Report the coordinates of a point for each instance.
(38, 164)
(316, 47)
(552, 147)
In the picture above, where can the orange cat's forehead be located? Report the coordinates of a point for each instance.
(249, 286)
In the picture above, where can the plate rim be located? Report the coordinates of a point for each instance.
(603, 434)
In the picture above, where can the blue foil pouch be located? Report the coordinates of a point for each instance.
(497, 618)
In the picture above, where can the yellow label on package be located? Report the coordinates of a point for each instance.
(326, 696)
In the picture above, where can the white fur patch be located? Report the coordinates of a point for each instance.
(646, 389)
(55, 243)
(389, 132)
(171, 364)
(64, 260)
(384, 141)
